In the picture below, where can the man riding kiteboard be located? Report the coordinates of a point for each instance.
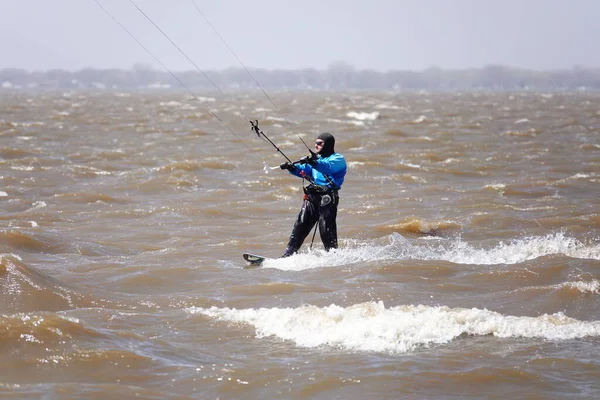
(325, 170)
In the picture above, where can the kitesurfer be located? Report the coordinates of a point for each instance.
(325, 170)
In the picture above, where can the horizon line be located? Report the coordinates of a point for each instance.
(334, 66)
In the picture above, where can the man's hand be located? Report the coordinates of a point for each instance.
(312, 159)
(287, 165)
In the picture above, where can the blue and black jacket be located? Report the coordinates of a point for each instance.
(332, 167)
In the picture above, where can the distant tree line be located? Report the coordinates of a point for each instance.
(338, 76)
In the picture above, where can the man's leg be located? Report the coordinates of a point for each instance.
(328, 224)
(302, 227)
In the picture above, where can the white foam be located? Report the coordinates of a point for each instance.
(577, 176)
(373, 328)
(203, 99)
(521, 250)
(387, 107)
(172, 103)
(410, 165)
(339, 121)
(457, 251)
(363, 116)
(495, 186)
(450, 160)
(37, 205)
(592, 286)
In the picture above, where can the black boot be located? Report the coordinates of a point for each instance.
(287, 253)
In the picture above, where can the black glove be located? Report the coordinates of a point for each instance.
(287, 165)
(312, 159)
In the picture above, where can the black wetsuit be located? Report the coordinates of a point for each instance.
(320, 205)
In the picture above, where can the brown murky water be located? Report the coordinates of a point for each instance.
(468, 264)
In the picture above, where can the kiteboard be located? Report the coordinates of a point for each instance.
(254, 260)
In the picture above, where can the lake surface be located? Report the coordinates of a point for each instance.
(468, 266)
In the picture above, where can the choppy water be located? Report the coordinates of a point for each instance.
(468, 264)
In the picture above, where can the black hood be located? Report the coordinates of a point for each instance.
(328, 147)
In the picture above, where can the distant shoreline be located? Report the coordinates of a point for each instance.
(339, 76)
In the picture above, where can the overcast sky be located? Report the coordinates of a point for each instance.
(292, 34)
